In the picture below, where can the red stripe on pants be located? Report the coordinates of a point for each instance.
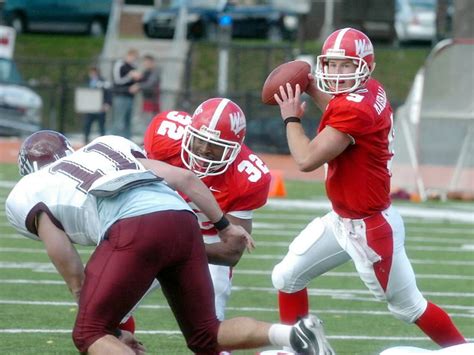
(379, 237)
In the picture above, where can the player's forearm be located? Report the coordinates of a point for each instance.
(70, 266)
(195, 189)
(223, 253)
(299, 145)
(62, 254)
(186, 182)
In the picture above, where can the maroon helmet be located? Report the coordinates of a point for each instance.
(41, 149)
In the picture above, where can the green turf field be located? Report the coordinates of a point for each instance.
(37, 312)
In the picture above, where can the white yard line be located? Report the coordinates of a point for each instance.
(7, 184)
(445, 214)
(236, 288)
(467, 246)
(405, 339)
(38, 250)
(38, 266)
(468, 311)
(356, 275)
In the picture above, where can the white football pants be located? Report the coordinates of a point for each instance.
(376, 246)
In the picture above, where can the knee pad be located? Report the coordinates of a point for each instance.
(278, 277)
(284, 280)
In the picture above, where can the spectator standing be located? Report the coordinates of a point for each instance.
(96, 81)
(149, 86)
(124, 75)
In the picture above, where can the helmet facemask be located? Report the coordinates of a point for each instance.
(207, 166)
(329, 83)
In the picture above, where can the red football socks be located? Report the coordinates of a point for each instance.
(293, 305)
(437, 324)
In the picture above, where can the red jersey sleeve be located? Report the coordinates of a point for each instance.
(350, 117)
(163, 136)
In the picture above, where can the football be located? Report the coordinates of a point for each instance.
(294, 72)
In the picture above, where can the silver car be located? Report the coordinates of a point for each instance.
(20, 107)
(415, 20)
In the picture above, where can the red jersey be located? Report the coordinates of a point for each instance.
(358, 180)
(242, 187)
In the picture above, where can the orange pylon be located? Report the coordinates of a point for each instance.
(277, 186)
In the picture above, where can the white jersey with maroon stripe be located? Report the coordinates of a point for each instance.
(64, 190)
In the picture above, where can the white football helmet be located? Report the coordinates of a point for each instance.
(213, 139)
(41, 149)
(347, 43)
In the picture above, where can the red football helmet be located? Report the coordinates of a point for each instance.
(41, 149)
(213, 139)
(347, 43)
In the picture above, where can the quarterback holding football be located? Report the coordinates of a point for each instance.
(354, 139)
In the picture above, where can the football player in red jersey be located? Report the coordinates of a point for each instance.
(355, 139)
(210, 143)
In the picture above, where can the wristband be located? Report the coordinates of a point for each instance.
(222, 223)
(291, 119)
(117, 332)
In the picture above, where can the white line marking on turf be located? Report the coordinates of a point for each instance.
(32, 282)
(458, 249)
(356, 275)
(313, 292)
(250, 309)
(39, 250)
(332, 292)
(50, 267)
(7, 184)
(262, 216)
(413, 261)
(177, 332)
(290, 234)
(47, 266)
(423, 235)
(405, 211)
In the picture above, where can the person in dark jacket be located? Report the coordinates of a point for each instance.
(96, 81)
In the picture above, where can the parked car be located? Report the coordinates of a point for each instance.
(373, 17)
(20, 107)
(89, 16)
(248, 21)
(415, 20)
